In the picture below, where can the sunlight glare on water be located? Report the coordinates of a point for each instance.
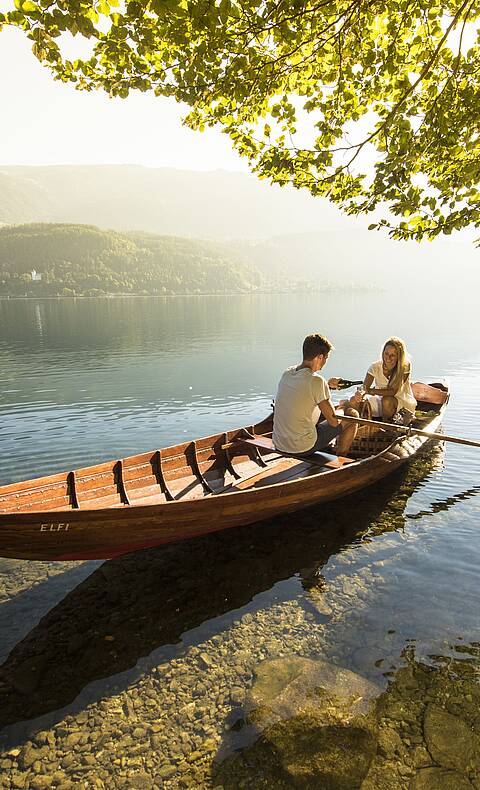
(358, 584)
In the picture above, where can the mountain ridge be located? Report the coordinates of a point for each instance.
(218, 204)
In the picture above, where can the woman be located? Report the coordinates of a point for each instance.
(388, 383)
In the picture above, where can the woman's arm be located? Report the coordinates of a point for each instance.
(368, 381)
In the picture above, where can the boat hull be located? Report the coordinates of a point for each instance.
(111, 533)
(81, 534)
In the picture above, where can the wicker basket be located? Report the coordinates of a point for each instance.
(370, 439)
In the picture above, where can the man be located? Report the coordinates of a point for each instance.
(303, 396)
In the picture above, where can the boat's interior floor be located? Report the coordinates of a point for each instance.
(145, 490)
(195, 470)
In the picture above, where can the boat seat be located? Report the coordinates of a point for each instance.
(272, 474)
(319, 458)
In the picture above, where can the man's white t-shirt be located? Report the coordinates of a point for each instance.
(296, 409)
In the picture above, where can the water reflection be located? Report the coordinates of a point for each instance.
(146, 665)
(151, 599)
(443, 505)
(86, 380)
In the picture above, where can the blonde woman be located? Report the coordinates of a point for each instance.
(387, 383)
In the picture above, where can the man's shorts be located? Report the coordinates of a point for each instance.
(325, 434)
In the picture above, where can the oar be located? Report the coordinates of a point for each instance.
(408, 431)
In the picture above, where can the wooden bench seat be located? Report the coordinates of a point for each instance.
(318, 458)
(282, 471)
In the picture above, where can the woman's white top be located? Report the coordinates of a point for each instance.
(404, 394)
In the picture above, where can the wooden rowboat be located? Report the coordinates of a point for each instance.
(180, 492)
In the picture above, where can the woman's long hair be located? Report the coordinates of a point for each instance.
(397, 376)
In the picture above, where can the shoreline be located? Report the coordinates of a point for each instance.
(340, 291)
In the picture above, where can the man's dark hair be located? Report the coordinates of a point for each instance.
(316, 344)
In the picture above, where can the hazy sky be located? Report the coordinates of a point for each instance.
(48, 122)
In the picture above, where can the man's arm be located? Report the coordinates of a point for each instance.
(326, 407)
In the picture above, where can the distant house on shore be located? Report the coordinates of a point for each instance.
(36, 276)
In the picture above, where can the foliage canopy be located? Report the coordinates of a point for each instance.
(372, 104)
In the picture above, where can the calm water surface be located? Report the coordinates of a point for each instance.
(86, 380)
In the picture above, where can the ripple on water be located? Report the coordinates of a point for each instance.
(147, 662)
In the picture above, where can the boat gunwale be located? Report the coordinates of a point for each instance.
(81, 514)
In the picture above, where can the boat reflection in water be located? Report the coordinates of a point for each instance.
(137, 611)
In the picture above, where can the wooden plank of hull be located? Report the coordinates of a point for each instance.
(101, 534)
(111, 533)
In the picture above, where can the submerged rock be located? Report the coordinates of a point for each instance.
(286, 687)
(302, 753)
(440, 779)
(317, 724)
(449, 739)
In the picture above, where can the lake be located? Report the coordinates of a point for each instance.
(143, 671)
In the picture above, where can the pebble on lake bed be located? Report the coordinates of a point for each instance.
(297, 705)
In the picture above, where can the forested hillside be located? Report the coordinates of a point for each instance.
(87, 261)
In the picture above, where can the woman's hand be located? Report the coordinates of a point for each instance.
(356, 399)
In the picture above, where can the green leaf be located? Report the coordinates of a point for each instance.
(241, 64)
(103, 7)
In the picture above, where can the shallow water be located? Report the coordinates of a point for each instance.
(142, 664)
